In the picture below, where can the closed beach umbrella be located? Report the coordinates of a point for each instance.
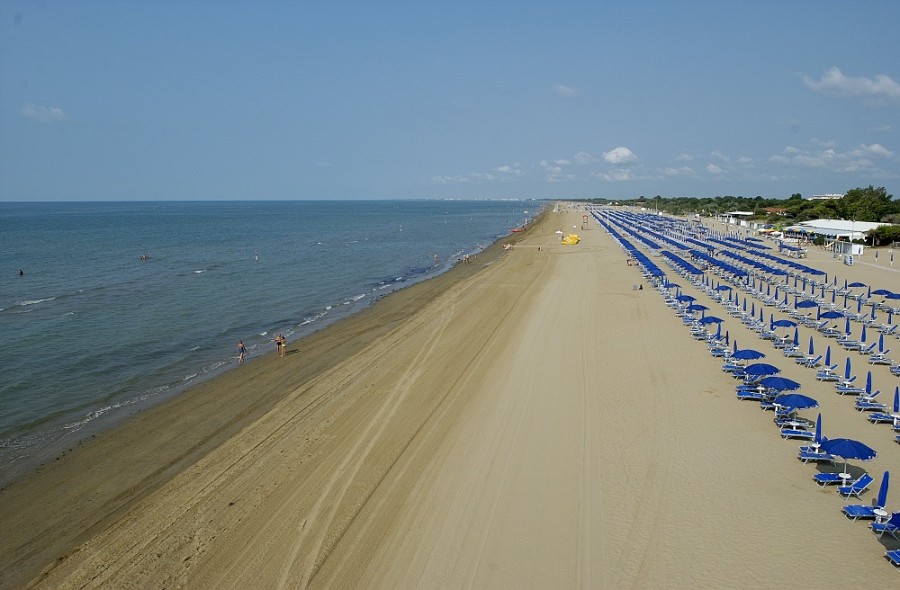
(817, 438)
(796, 340)
(897, 400)
(869, 383)
(881, 501)
(811, 347)
(828, 356)
(847, 370)
(881, 343)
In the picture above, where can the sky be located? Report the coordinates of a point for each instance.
(202, 100)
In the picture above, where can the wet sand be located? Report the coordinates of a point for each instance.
(528, 420)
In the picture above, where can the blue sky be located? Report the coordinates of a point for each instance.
(168, 100)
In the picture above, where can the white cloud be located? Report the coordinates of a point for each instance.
(565, 91)
(682, 171)
(745, 160)
(719, 155)
(861, 158)
(510, 170)
(555, 171)
(584, 158)
(43, 113)
(620, 155)
(835, 83)
(617, 175)
(685, 157)
(713, 169)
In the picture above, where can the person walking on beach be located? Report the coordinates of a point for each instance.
(242, 352)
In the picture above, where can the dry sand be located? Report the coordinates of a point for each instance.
(527, 421)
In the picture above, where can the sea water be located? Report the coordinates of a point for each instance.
(121, 304)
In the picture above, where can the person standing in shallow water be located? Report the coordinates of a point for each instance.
(242, 352)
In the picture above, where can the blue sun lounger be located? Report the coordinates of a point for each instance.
(880, 418)
(808, 454)
(890, 526)
(859, 512)
(827, 479)
(893, 556)
(787, 433)
(857, 487)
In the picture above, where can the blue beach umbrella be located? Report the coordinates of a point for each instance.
(881, 501)
(711, 319)
(696, 307)
(761, 369)
(805, 303)
(847, 370)
(881, 292)
(828, 356)
(796, 340)
(897, 399)
(831, 314)
(847, 448)
(685, 298)
(784, 324)
(747, 354)
(855, 284)
(779, 383)
(797, 401)
(811, 347)
(818, 435)
(862, 338)
(869, 383)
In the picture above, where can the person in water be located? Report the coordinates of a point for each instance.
(242, 352)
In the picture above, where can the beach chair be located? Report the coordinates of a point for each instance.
(828, 479)
(857, 487)
(895, 369)
(810, 362)
(796, 433)
(880, 358)
(867, 403)
(880, 418)
(890, 526)
(859, 512)
(893, 556)
(811, 455)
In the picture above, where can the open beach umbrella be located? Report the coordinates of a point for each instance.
(847, 448)
(881, 292)
(779, 383)
(761, 369)
(784, 324)
(831, 314)
(797, 401)
(883, 490)
(856, 284)
(696, 307)
(723, 288)
(685, 298)
(747, 354)
(805, 303)
(711, 319)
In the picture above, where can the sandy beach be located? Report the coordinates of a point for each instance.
(527, 420)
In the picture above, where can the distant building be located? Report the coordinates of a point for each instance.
(827, 197)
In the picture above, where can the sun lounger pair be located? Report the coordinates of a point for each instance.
(881, 418)
(809, 454)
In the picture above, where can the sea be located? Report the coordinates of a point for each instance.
(107, 307)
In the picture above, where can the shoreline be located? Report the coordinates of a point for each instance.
(170, 444)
